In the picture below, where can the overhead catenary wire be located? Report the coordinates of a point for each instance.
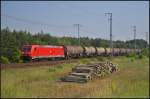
(88, 32)
(37, 23)
(51, 26)
(45, 24)
(33, 22)
(87, 11)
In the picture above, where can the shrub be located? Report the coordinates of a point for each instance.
(14, 55)
(132, 59)
(140, 56)
(51, 70)
(145, 52)
(4, 60)
(131, 54)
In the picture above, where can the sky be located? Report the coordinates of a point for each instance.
(58, 18)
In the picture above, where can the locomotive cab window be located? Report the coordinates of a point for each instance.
(26, 49)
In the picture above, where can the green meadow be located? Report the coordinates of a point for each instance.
(132, 80)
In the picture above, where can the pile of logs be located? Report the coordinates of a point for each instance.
(86, 72)
(98, 69)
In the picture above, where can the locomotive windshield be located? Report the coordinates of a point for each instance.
(26, 49)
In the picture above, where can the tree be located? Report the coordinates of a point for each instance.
(14, 55)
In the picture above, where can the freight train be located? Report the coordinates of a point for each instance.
(39, 52)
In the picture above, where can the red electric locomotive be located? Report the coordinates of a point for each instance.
(36, 52)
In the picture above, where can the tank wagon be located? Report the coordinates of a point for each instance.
(73, 51)
(138, 51)
(108, 51)
(123, 51)
(37, 52)
(128, 50)
(116, 51)
(89, 51)
(132, 50)
(100, 51)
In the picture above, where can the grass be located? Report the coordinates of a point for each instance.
(132, 80)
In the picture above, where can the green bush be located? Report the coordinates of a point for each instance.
(145, 52)
(132, 59)
(51, 69)
(14, 55)
(140, 56)
(131, 54)
(4, 60)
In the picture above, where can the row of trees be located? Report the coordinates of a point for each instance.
(12, 42)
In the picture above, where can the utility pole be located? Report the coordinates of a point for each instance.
(134, 30)
(111, 42)
(78, 29)
(146, 39)
(128, 40)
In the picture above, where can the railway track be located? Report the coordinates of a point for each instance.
(35, 64)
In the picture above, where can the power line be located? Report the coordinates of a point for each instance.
(32, 22)
(88, 11)
(89, 32)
